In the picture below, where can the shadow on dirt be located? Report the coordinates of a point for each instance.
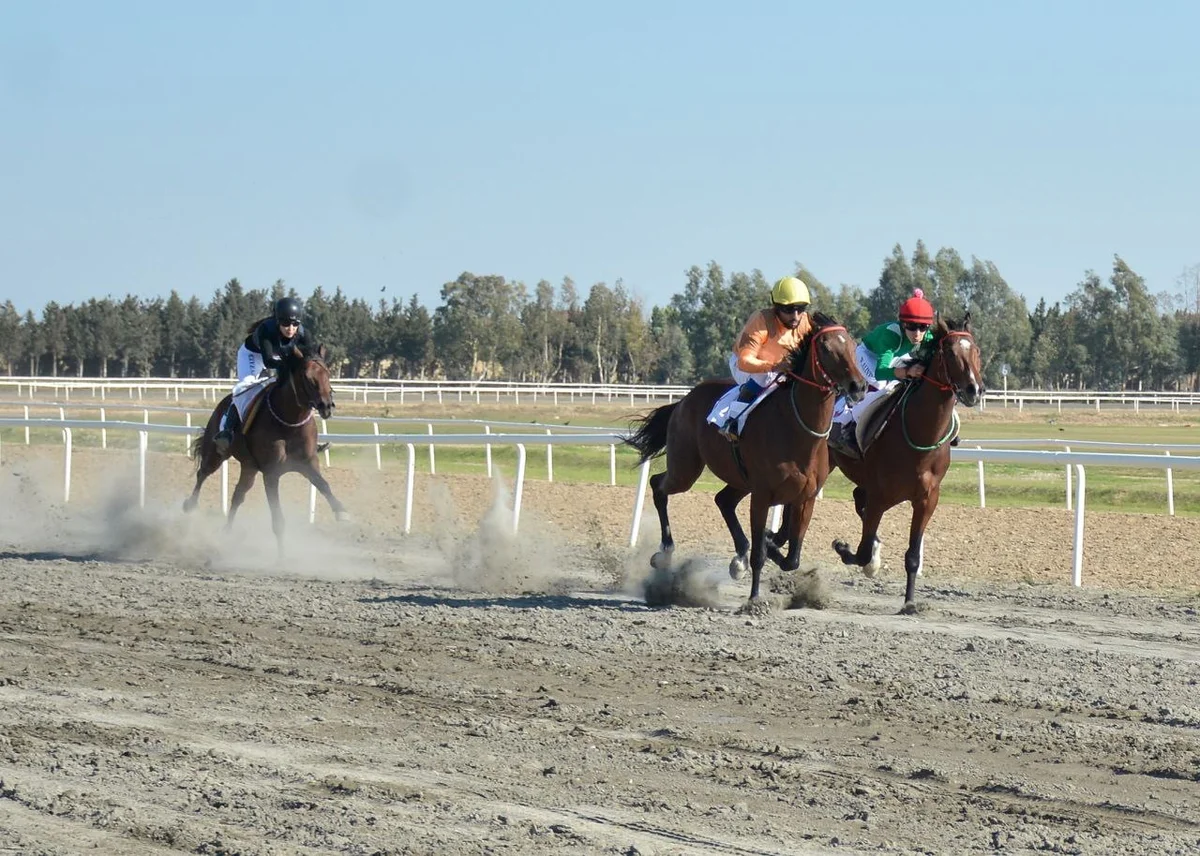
(518, 601)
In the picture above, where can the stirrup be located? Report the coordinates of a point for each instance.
(729, 431)
(322, 447)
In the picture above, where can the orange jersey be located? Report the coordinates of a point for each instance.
(764, 342)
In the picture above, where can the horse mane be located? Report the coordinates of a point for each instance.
(797, 357)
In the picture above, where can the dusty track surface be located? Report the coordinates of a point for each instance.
(165, 688)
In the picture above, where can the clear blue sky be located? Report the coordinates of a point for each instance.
(146, 146)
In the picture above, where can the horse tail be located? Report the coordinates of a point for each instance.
(198, 448)
(650, 432)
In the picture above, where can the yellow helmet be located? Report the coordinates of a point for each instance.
(789, 291)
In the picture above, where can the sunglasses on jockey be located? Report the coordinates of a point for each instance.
(915, 327)
(791, 308)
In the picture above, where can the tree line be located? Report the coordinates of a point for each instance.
(1109, 332)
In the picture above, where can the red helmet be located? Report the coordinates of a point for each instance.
(917, 309)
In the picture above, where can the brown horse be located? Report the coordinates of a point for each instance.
(281, 439)
(909, 457)
(779, 459)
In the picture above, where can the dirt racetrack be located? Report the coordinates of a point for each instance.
(167, 688)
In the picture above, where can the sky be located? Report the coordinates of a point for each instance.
(387, 147)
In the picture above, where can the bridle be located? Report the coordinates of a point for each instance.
(308, 391)
(948, 385)
(822, 380)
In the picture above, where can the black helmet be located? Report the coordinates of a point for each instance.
(288, 309)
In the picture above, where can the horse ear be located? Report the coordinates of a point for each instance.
(967, 321)
(321, 352)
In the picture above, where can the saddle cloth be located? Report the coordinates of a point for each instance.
(248, 397)
(720, 410)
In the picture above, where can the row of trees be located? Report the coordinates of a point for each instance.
(1107, 333)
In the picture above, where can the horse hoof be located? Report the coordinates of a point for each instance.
(341, 516)
(737, 567)
(909, 608)
(661, 560)
(189, 504)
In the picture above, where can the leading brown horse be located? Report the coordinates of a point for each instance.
(910, 455)
(779, 459)
(281, 439)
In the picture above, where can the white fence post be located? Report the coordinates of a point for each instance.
(225, 486)
(549, 459)
(325, 430)
(982, 501)
(143, 443)
(187, 438)
(432, 463)
(378, 448)
(639, 504)
(520, 488)
(66, 465)
(408, 487)
(312, 504)
(26, 407)
(487, 451)
(612, 464)
(1077, 562)
(1170, 488)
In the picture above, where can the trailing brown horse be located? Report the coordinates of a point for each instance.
(909, 457)
(779, 459)
(281, 439)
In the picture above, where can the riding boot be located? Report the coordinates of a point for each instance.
(843, 438)
(224, 438)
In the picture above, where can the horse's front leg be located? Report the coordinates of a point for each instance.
(727, 500)
(759, 506)
(271, 484)
(798, 520)
(311, 471)
(867, 554)
(922, 511)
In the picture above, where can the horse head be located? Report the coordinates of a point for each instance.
(826, 360)
(309, 378)
(960, 370)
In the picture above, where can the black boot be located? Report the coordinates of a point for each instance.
(843, 438)
(224, 439)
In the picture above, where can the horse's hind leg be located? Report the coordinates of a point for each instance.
(244, 483)
(310, 471)
(682, 471)
(210, 462)
(727, 500)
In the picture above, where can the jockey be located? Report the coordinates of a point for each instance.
(767, 338)
(886, 357)
(269, 343)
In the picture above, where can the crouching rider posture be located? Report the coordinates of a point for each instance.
(885, 356)
(269, 343)
(762, 347)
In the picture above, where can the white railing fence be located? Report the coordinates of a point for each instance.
(968, 451)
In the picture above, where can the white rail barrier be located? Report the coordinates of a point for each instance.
(1077, 460)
